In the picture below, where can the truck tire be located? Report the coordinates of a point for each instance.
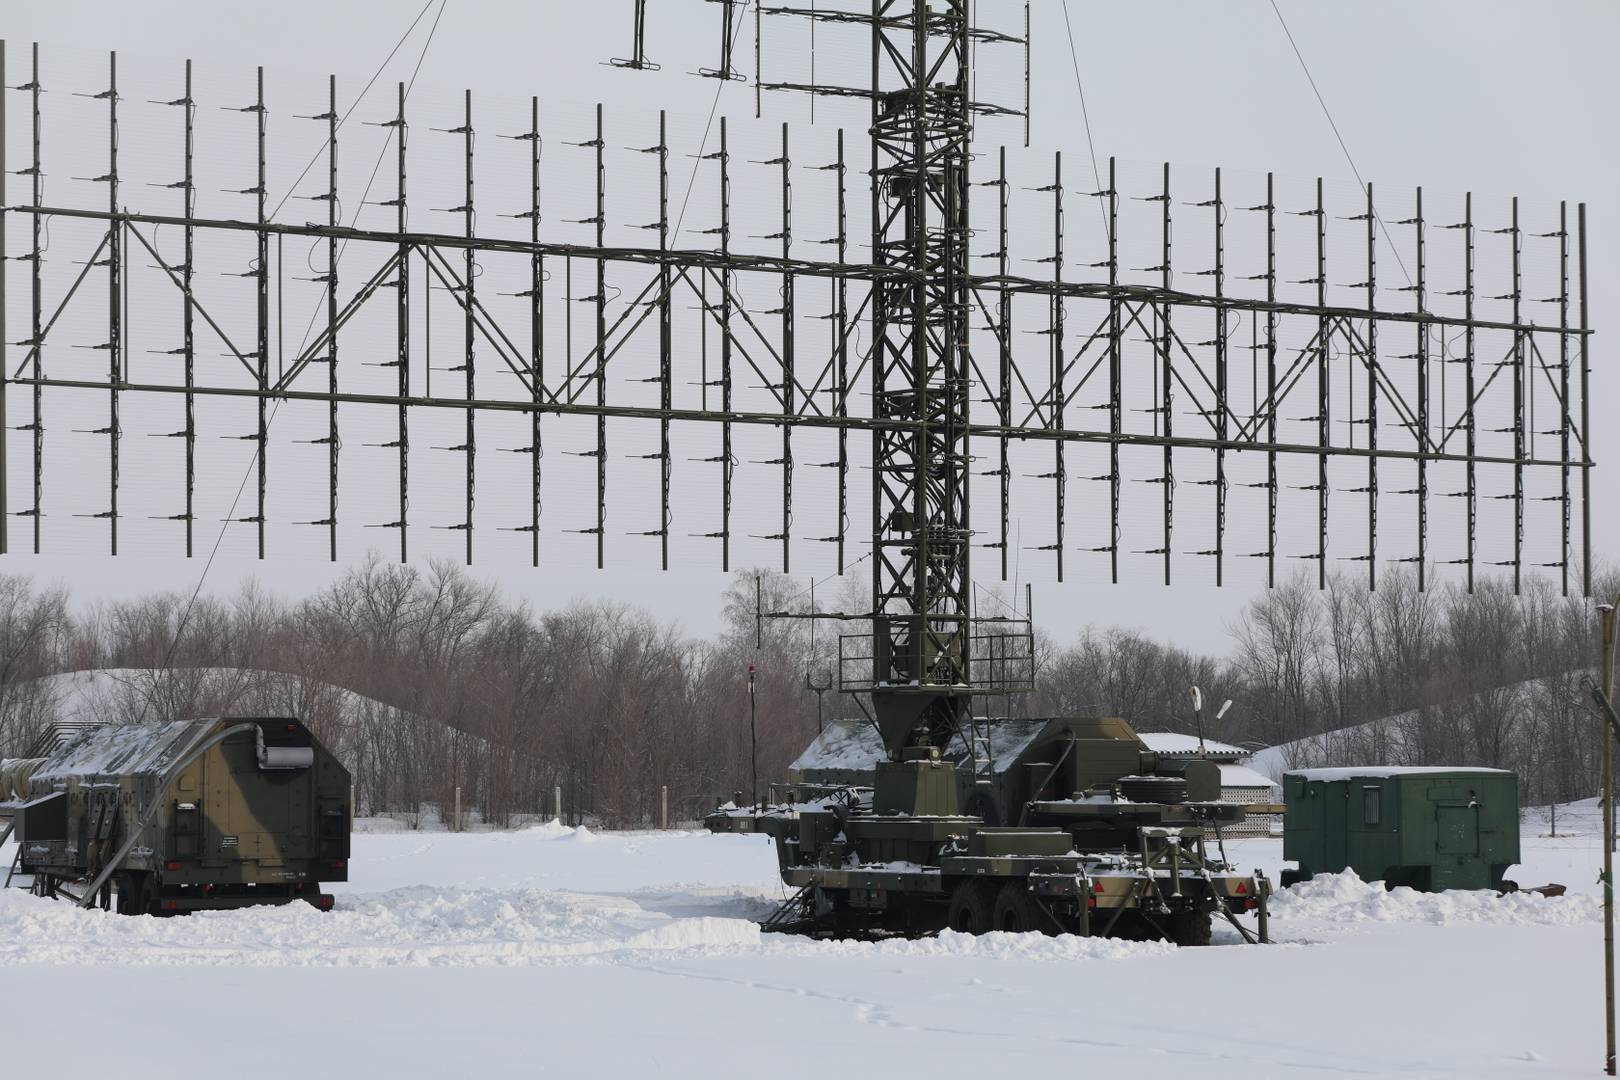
(1018, 912)
(972, 908)
(137, 893)
(1190, 928)
(128, 892)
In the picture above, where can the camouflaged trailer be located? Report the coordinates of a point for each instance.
(182, 816)
(1067, 825)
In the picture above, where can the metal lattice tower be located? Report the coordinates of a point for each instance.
(921, 533)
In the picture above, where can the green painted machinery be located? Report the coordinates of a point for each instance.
(1066, 825)
(182, 816)
(1426, 828)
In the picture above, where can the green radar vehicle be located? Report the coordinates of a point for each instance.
(1063, 825)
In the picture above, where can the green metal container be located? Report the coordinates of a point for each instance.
(1427, 828)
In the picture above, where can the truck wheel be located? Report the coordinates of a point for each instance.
(146, 896)
(971, 908)
(1189, 927)
(129, 890)
(1018, 912)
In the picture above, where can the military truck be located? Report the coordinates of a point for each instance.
(182, 816)
(1065, 825)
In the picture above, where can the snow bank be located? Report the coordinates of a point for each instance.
(1022, 948)
(1344, 898)
(409, 927)
(437, 927)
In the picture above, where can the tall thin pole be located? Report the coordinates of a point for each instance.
(262, 301)
(4, 509)
(36, 292)
(1586, 429)
(188, 337)
(753, 733)
(469, 336)
(115, 308)
(332, 443)
(403, 330)
(1607, 736)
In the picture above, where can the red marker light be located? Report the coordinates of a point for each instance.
(172, 864)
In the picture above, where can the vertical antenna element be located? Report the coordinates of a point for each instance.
(1324, 424)
(1029, 100)
(1520, 421)
(1586, 429)
(841, 352)
(537, 330)
(1221, 411)
(36, 334)
(1116, 391)
(469, 326)
(1167, 401)
(1471, 490)
(333, 442)
(1424, 433)
(728, 39)
(1271, 381)
(666, 343)
(1563, 395)
(725, 282)
(402, 309)
(1004, 378)
(788, 404)
(601, 343)
(261, 283)
(1055, 361)
(5, 509)
(1372, 392)
(115, 306)
(638, 49)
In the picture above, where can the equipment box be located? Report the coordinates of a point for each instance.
(1427, 828)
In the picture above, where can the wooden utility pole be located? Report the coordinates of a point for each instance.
(1607, 797)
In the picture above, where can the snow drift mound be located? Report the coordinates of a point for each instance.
(1019, 948)
(409, 927)
(1345, 898)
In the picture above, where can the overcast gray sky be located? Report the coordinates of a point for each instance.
(1496, 97)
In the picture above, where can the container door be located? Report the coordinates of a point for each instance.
(1335, 823)
(1457, 830)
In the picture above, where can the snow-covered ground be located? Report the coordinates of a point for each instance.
(561, 952)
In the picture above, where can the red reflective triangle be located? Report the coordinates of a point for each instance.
(1243, 887)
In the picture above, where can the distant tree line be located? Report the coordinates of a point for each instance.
(425, 680)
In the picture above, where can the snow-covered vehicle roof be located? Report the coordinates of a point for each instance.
(1174, 742)
(123, 750)
(1387, 772)
(1241, 776)
(855, 745)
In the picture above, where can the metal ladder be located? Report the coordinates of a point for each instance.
(980, 752)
